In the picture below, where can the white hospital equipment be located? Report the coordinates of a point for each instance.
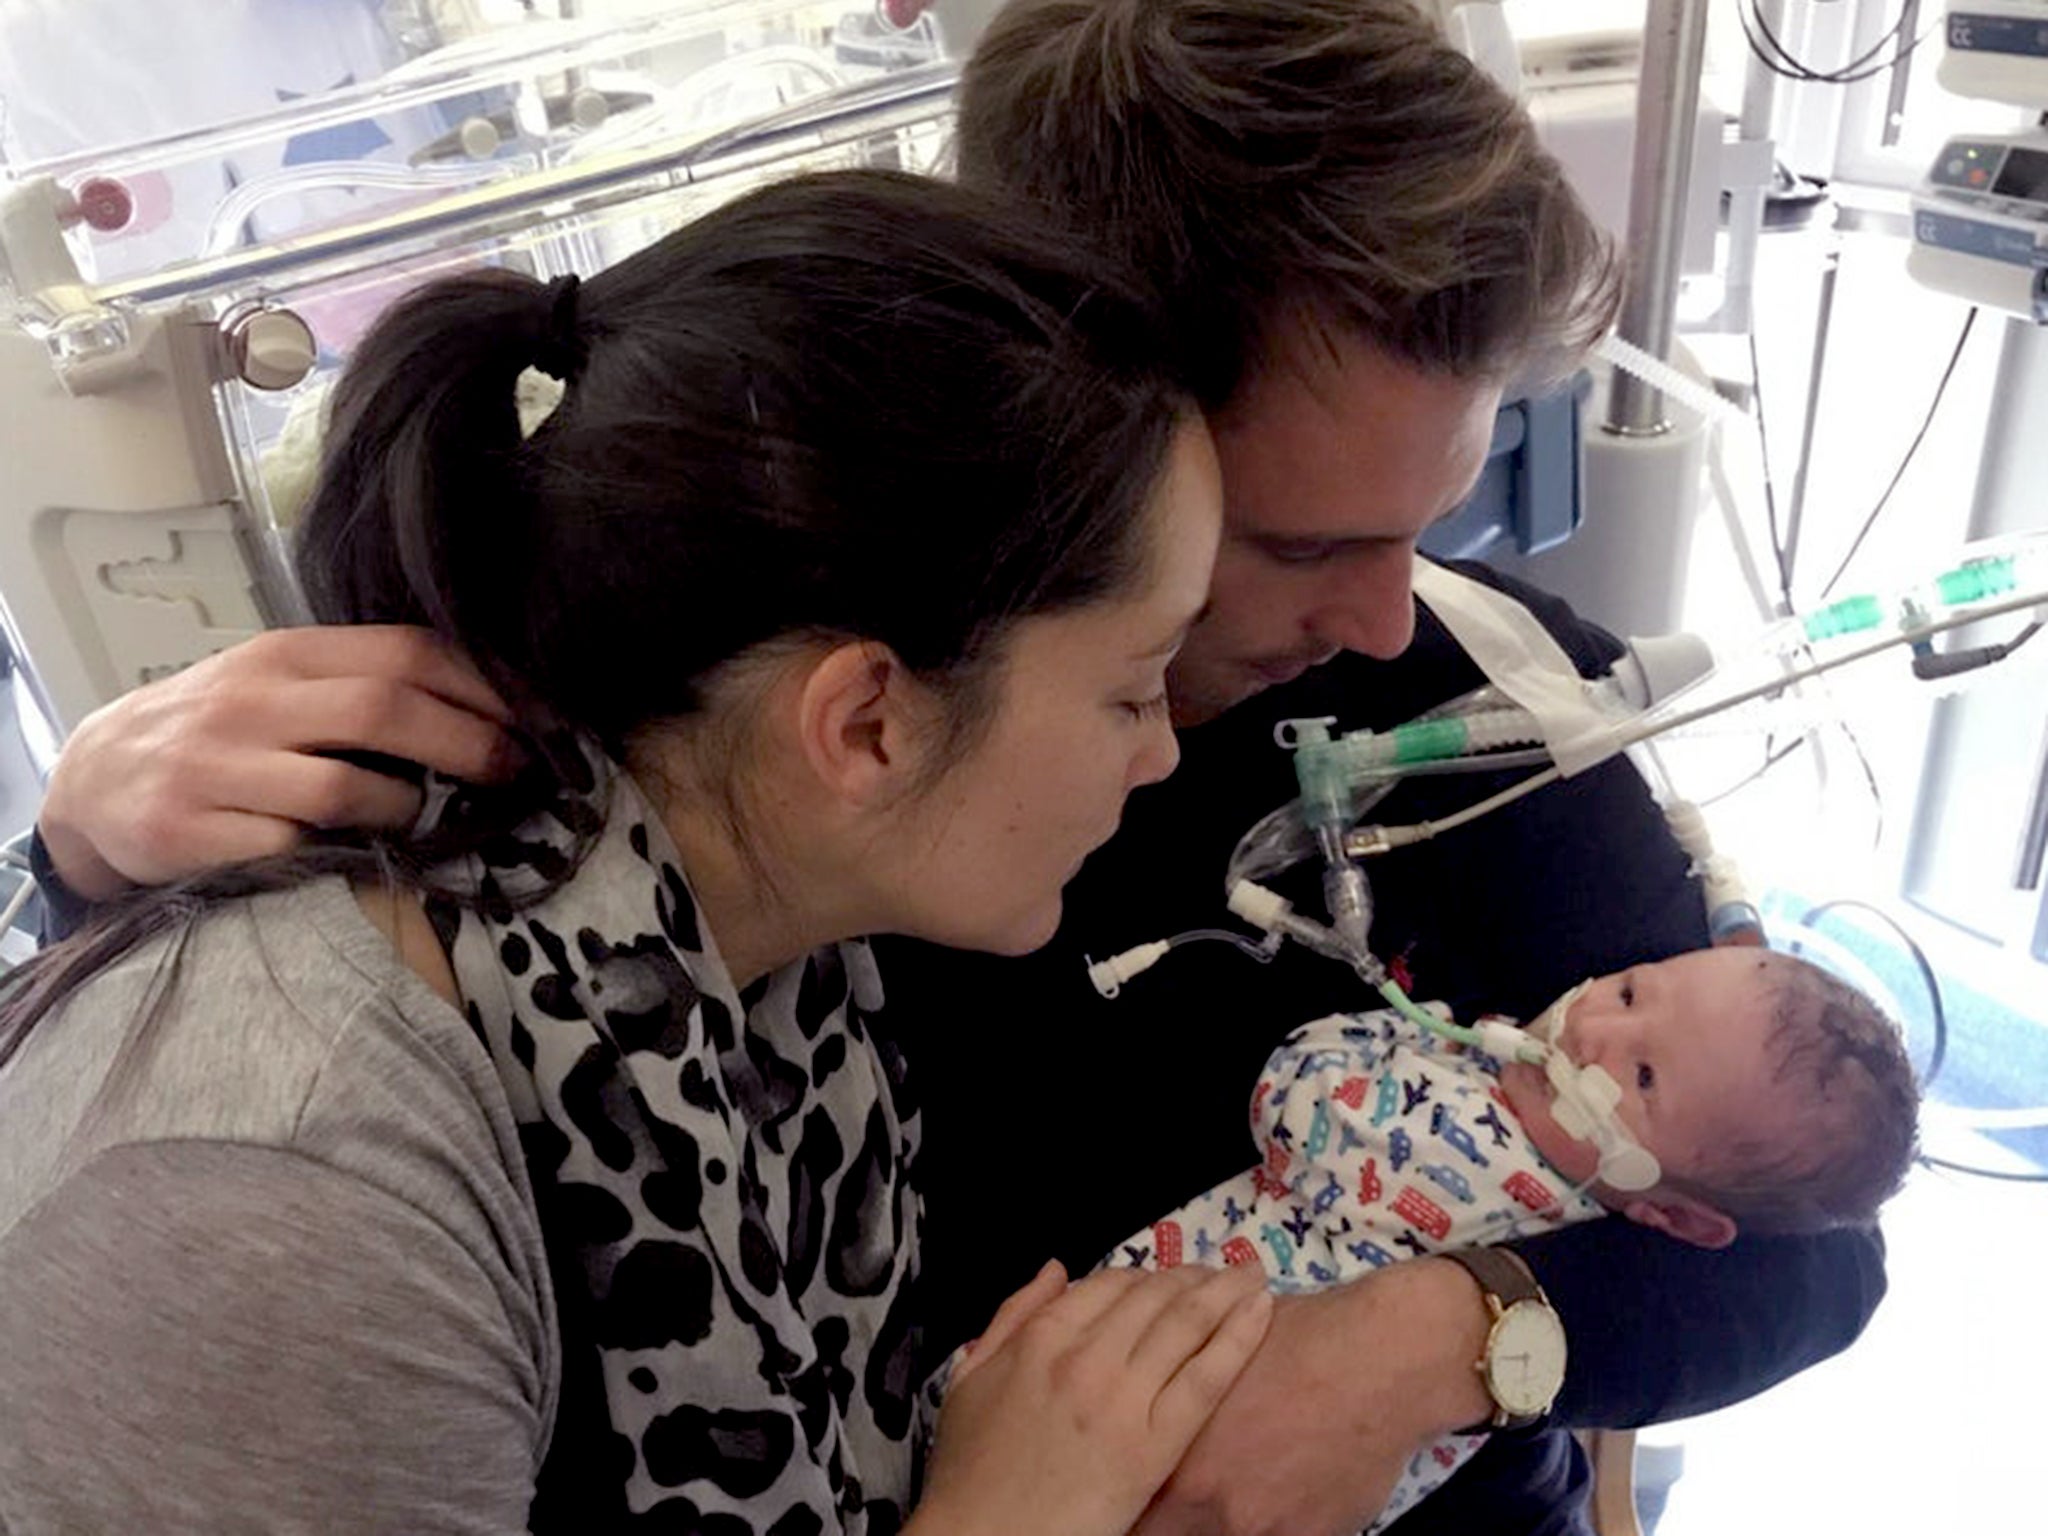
(1996, 50)
(136, 533)
(1980, 210)
(1980, 220)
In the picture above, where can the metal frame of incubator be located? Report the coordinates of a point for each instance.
(145, 544)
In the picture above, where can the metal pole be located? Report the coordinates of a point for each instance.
(1746, 203)
(1817, 367)
(1667, 107)
(1902, 73)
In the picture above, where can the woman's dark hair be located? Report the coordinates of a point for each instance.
(855, 406)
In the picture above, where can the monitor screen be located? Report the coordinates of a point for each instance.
(2024, 174)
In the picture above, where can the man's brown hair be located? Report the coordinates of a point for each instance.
(1270, 163)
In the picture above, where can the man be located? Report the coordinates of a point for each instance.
(1360, 245)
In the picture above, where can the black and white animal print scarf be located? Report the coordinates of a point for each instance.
(723, 1183)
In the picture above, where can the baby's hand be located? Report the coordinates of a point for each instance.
(1073, 1408)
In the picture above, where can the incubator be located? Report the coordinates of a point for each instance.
(179, 302)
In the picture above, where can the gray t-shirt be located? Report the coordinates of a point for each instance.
(268, 1256)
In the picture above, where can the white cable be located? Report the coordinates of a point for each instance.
(1374, 840)
(1731, 521)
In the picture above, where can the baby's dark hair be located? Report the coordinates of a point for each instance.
(1850, 1151)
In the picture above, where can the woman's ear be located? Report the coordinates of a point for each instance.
(855, 716)
(1681, 1216)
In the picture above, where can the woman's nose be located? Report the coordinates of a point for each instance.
(1157, 758)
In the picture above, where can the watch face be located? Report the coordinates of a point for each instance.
(1525, 1358)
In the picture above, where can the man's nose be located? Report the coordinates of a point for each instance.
(1370, 607)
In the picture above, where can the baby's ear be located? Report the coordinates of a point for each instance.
(1683, 1217)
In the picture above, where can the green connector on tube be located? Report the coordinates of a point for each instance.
(1850, 616)
(1426, 741)
(1320, 770)
(1977, 580)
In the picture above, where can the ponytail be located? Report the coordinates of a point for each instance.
(421, 454)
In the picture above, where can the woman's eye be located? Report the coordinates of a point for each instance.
(1299, 554)
(1628, 995)
(1146, 709)
(1646, 1076)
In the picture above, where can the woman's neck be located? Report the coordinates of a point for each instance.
(764, 899)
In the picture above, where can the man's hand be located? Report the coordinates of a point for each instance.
(225, 761)
(1348, 1385)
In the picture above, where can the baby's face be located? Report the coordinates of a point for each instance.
(1686, 1041)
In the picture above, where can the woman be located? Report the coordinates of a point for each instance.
(546, 1165)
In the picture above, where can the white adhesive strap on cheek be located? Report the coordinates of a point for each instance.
(1629, 1166)
(1584, 1110)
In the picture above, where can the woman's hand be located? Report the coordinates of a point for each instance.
(230, 759)
(1079, 1400)
(1349, 1383)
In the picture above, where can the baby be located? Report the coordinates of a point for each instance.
(1767, 1095)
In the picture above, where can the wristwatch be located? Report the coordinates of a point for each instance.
(1523, 1361)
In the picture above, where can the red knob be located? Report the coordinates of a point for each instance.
(901, 14)
(104, 204)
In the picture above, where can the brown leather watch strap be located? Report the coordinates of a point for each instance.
(1500, 1273)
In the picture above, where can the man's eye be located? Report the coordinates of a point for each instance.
(1628, 995)
(1646, 1076)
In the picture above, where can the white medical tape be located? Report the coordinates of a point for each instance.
(1520, 658)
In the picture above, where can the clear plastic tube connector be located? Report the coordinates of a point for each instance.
(1109, 976)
